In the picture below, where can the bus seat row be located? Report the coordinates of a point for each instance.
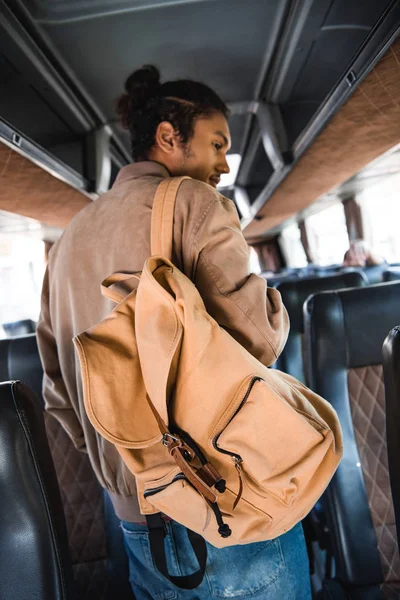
(344, 333)
(373, 273)
(294, 294)
(99, 562)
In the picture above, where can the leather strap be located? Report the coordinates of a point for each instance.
(175, 447)
(157, 534)
(162, 217)
(190, 473)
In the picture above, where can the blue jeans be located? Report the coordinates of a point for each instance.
(272, 570)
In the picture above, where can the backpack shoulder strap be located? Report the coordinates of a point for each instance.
(162, 225)
(162, 218)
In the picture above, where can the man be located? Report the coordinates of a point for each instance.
(176, 128)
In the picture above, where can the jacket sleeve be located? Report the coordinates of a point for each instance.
(54, 391)
(239, 301)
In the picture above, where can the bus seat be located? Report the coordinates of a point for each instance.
(95, 537)
(34, 554)
(373, 273)
(276, 278)
(19, 359)
(391, 371)
(294, 294)
(391, 274)
(19, 327)
(344, 332)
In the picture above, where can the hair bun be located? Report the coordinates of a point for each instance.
(142, 85)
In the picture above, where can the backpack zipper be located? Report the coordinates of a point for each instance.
(237, 459)
(160, 488)
(223, 529)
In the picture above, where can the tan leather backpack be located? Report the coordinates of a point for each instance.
(234, 451)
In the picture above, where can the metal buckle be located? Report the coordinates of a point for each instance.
(166, 442)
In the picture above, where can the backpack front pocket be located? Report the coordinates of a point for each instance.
(273, 446)
(182, 503)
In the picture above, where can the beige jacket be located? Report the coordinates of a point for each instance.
(113, 234)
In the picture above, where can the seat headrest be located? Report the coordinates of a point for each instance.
(360, 317)
(295, 293)
(392, 274)
(19, 359)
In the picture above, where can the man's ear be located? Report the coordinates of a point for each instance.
(166, 137)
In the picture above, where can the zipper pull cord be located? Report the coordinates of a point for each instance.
(239, 472)
(223, 528)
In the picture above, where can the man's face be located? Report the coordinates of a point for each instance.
(204, 156)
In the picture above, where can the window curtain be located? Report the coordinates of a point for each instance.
(354, 223)
(269, 255)
(305, 241)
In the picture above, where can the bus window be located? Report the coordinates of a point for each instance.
(230, 178)
(327, 235)
(292, 248)
(255, 266)
(380, 206)
(22, 268)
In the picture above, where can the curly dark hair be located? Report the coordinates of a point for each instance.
(146, 103)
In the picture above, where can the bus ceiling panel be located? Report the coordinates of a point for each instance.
(316, 52)
(287, 54)
(34, 67)
(261, 171)
(318, 76)
(367, 126)
(22, 104)
(360, 14)
(27, 46)
(221, 42)
(237, 125)
(64, 11)
(25, 104)
(301, 27)
(383, 34)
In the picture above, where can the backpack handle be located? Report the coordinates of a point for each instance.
(162, 217)
(115, 278)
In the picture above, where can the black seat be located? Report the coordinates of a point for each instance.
(294, 294)
(34, 554)
(373, 273)
(344, 335)
(100, 563)
(391, 274)
(391, 371)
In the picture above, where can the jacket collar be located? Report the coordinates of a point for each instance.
(141, 169)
